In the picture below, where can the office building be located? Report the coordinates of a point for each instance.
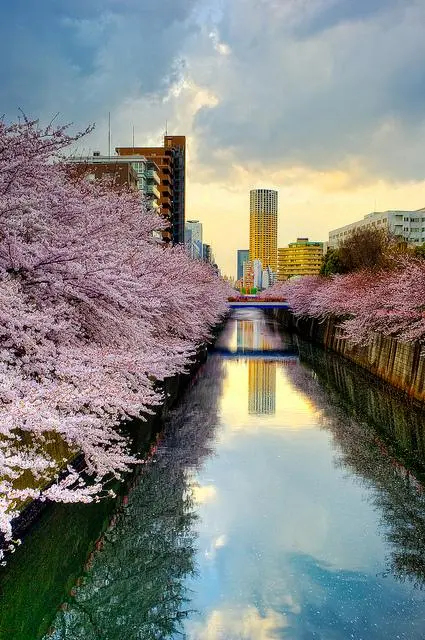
(103, 169)
(171, 162)
(258, 273)
(193, 239)
(300, 258)
(252, 274)
(248, 275)
(263, 227)
(242, 256)
(408, 225)
(268, 278)
(207, 254)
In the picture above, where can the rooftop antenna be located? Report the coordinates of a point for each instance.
(109, 134)
(166, 127)
(133, 139)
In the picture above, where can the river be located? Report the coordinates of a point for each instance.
(283, 498)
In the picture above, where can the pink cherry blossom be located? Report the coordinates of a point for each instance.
(94, 312)
(366, 302)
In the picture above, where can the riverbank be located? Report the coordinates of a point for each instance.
(401, 364)
(140, 431)
(269, 495)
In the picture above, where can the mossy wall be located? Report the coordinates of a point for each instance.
(401, 364)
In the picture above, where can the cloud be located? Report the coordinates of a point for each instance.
(331, 13)
(347, 92)
(240, 624)
(83, 59)
(203, 494)
(319, 84)
(321, 99)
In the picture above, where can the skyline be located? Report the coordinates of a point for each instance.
(312, 99)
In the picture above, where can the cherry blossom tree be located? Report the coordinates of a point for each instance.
(135, 579)
(367, 302)
(94, 312)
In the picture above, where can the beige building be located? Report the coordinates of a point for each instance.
(263, 227)
(300, 258)
(409, 225)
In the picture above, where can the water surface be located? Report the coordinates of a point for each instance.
(282, 500)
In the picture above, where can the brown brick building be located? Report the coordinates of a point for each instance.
(117, 174)
(171, 162)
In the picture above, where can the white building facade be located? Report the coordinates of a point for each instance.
(268, 278)
(258, 273)
(409, 225)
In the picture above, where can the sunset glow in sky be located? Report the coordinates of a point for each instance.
(320, 99)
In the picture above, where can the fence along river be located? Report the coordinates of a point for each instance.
(282, 499)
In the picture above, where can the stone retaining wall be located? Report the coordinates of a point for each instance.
(399, 363)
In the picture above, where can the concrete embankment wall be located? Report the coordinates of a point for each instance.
(399, 363)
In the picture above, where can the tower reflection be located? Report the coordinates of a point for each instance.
(253, 335)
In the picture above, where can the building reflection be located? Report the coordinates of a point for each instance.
(261, 387)
(252, 335)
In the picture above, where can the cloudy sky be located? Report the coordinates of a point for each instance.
(323, 100)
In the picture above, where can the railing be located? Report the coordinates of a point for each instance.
(254, 298)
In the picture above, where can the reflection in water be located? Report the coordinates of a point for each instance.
(256, 335)
(261, 387)
(133, 584)
(304, 555)
(381, 438)
(284, 506)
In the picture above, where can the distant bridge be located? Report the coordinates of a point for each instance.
(258, 303)
(273, 355)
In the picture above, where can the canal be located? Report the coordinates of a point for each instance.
(283, 498)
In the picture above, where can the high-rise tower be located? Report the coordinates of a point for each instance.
(263, 227)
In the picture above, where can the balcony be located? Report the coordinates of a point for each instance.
(150, 175)
(153, 190)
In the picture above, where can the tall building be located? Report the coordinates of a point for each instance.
(409, 225)
(193, 238)
(258, 273)
(171, 162)
(207, 254)
(268, 278)
(248, 275)
(243, 256)
(300, 258)
(263, 227)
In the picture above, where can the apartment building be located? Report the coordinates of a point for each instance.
(408, 225)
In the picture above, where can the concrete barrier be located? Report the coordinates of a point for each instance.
(401, 364)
